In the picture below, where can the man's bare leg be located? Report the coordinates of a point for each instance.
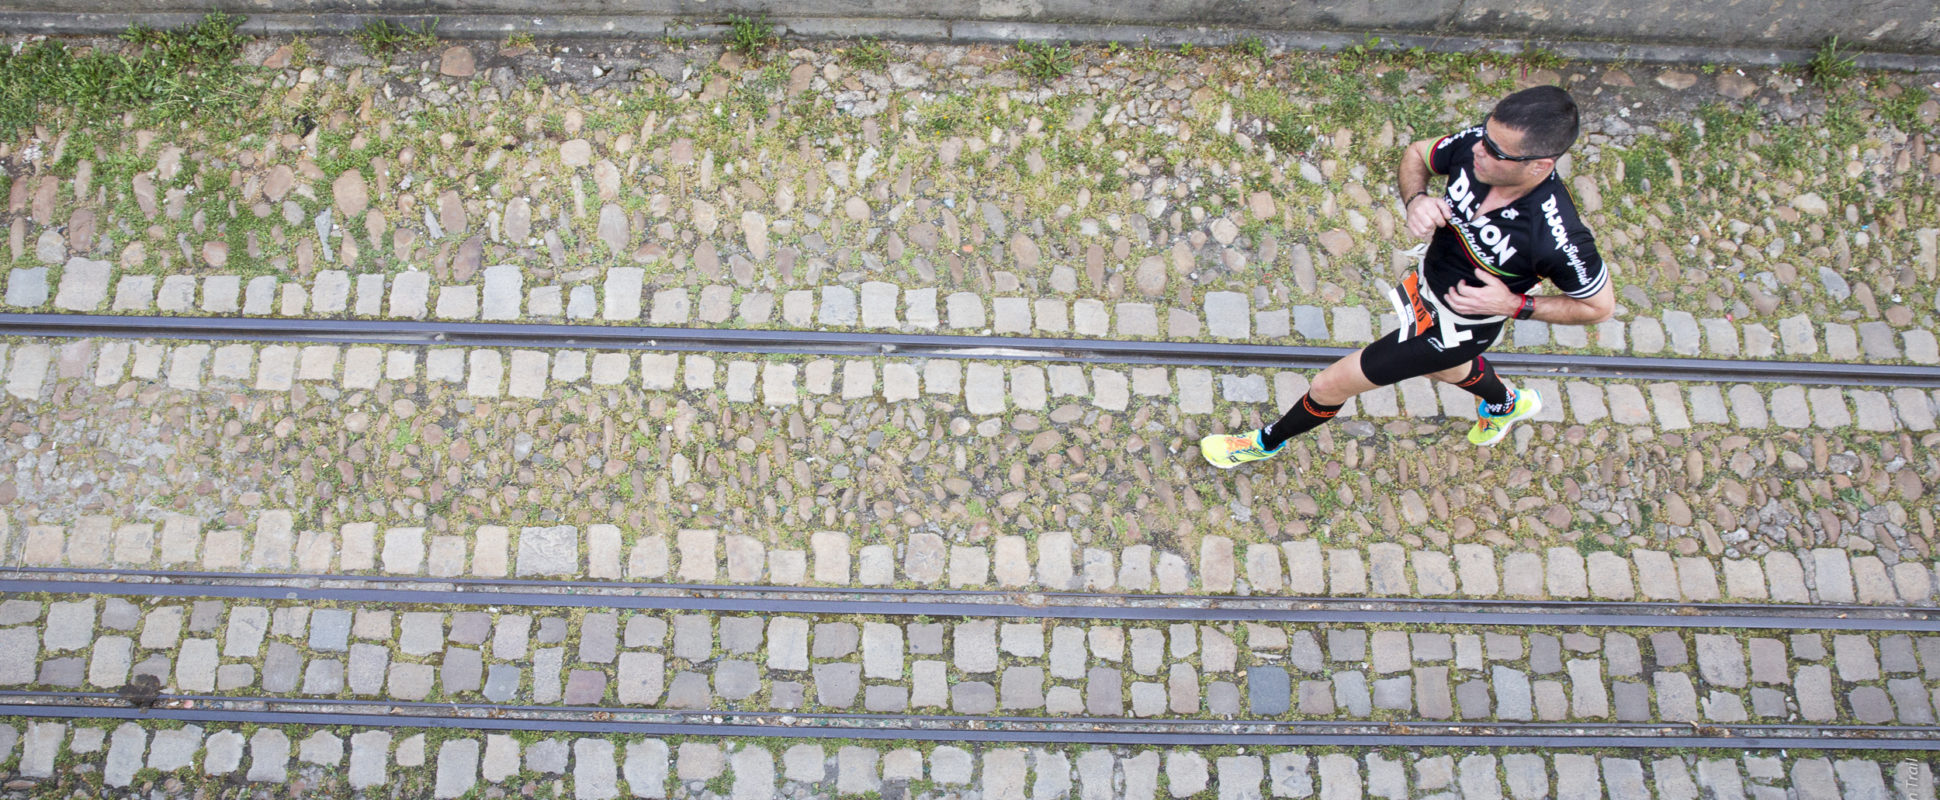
(1455, 374)
(1331, 389)
(1341, 381)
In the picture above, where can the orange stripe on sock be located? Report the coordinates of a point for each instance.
(1481, 369)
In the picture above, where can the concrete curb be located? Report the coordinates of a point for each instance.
(489, 26)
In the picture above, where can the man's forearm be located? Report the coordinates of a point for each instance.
(1411, 177)
(1563, 310)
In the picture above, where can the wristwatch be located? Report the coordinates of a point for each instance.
(1527, 309)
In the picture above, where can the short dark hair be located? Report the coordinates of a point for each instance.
(1546, 116)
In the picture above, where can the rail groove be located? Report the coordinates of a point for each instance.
(973, 604)
(946, 728)
(1009, 348)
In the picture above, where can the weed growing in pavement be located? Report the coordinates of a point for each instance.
(1371, 52)
(867, 53)
(1288, 129)
(949, 114)
(1293, 122)
(165, 76)
(1251, 46)
(1843, 125)
(300, 51)
(1534, 57)
(1680, 138)
(1831, 67)
(772, 76)
(213, 40)
(383, 38)
(1646, 162)
(1903, 109)
(518, 40)
(1786, 148)
(1723, 123)
(750, 36)
(1359, 54)
(1043, 62)
(1589, 543)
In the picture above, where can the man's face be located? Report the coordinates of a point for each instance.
(1498, 172)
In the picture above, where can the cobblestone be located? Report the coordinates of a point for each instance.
(660, 455)
(1193, 670)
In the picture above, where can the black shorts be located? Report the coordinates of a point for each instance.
(1431, 338)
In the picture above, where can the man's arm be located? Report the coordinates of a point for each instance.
(1425, 213)
(1561, 309)
(1493, 299)
(1414, 172)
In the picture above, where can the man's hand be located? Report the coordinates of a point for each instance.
(1425, 214)
(1492, 299)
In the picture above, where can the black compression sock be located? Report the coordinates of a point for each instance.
(1484, 383)
(1304, 416)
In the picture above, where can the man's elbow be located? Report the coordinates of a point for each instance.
(1601, 310)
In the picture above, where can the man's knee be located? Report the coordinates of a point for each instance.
(1327, 389)
(1454, 374)
(1339, 383)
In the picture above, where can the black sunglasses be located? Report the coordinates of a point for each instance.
(1496, 151)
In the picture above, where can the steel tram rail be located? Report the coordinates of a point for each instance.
(945, 728)
(957, 603)
(1019, 348)
(974, 604)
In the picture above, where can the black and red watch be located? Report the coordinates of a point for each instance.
(1527, 309)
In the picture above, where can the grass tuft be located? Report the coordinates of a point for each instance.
(163, 76)
(867, 53)
(750, 36)
(212, 41)
(1831, 67)
(1903, 109)
(383, 38)
(1044, 62)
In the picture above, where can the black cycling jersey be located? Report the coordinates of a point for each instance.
(1536, 237)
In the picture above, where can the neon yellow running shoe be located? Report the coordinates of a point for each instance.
(1227, 452)
(1490, 428)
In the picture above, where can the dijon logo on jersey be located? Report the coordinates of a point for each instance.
(1553, 216)
(1479, 234)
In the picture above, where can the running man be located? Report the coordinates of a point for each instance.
(1504, 223)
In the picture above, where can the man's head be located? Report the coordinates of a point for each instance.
(1525, 134)
(1546, 117)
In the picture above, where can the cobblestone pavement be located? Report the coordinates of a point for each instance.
(452, 764)
(1208, 196)
(1051, 560)
(578, 657)
(872, 472)
(1147, 194)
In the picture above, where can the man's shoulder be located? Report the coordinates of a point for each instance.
(1451, 140)
(1562, 243)
(1555, 207)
